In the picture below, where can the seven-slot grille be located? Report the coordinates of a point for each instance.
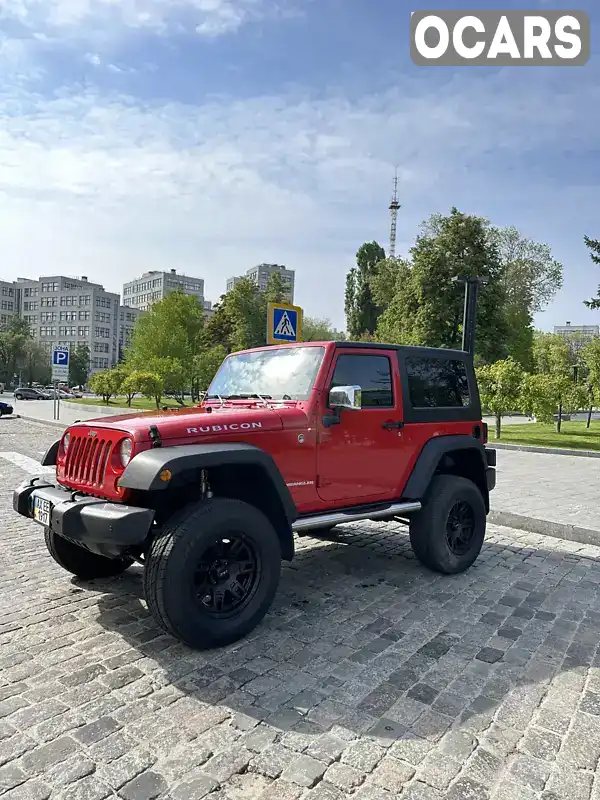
(87, 457)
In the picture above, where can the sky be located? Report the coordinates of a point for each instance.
(211, 135)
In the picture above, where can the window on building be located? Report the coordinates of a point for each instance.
(84, 299)
(29, 305)
(48, 302)
(102, 333)
(437, 382)
(47, 331)
(372, 373)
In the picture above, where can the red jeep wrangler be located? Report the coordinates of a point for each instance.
(291, 438)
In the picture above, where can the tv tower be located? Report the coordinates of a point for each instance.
(394, 206)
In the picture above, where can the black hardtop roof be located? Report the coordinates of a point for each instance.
(411, 350)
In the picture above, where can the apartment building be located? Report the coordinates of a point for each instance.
(261, 273)
(72, 311)
(9, 303)
(153, 286)
(128, 316)
(577, 335)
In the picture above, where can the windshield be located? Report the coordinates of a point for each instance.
(277, 374)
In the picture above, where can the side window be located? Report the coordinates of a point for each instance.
(372, 373)
(437, 382)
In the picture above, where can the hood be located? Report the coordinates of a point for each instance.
(192, 422)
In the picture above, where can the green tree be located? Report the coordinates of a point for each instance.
(13, 342)
(427, 307)
(389, 277)
(320, 330)
(130, 386)
(79, 365)
(205, 368)
(531, 277)
(276, 291)
(150, 385)
(166, 339)
(590, 356)
(362, 311)
(500, 388)
(553, 359)
(107, 383)
(593, 246)
(540, 396)
(240, 318)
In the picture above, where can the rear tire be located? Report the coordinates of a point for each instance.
(81, 562)
(448, 533)
(212, 573)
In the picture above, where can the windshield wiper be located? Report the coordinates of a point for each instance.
(248, 396)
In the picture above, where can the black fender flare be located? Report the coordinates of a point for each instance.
(429, 458)
(51, 454)
(144, 470)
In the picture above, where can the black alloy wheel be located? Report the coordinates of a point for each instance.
(227, 576)
(460, 528)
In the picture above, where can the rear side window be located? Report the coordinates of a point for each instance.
(372, 373)
(437, 383)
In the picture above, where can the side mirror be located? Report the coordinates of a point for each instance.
(349, 397)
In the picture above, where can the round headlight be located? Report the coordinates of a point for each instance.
(66, 440)
(125, 451)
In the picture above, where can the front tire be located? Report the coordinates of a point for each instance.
(212, 573)
(448, 533)
(81, 562)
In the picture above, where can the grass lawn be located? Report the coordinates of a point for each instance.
(574, 435)
(137, 404)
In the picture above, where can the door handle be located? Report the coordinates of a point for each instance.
(390, 426)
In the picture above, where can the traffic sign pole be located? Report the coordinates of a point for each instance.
(60, 372)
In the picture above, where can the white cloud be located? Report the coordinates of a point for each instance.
(102, 186)
(209, 18)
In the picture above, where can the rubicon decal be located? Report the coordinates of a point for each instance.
(232, 426)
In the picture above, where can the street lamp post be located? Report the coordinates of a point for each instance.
(470, 309)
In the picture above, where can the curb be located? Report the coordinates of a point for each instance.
(556, 451)
(556, 530)
(50, 422)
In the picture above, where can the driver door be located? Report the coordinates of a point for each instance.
(362, 457)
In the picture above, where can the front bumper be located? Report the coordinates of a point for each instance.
(490, 473)
(108, 529)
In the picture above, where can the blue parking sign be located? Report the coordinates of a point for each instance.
(60, 357)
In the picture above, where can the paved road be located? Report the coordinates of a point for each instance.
(556, 488)
(371, 678)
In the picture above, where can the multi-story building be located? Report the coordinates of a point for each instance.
(154, 286)
(128, 316)
(72, 311)
(9, 303)
(261, 273)
(577, 335)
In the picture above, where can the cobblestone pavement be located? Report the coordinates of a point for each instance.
(371, 678)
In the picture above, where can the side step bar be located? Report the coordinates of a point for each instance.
(327, 520)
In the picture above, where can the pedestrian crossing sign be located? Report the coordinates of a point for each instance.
(284, 323)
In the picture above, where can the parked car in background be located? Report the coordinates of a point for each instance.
(5, 409)
(28, 393)
(1, 388)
